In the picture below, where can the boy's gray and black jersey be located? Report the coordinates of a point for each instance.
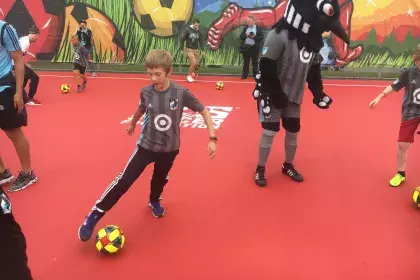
(410, 80)
(163, 114)
(81, 55)
(292, 64)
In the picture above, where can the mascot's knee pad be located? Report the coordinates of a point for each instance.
(272, 126)
(291, 124)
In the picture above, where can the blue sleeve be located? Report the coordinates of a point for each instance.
(11, 39)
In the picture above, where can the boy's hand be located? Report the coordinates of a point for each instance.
(211, 149)
(130, 129)
(18, 102)
(376, 100)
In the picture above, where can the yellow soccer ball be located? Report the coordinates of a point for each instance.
(110, 240)
(163, 18)
(219, 85)
(65, 88)
(416, 196)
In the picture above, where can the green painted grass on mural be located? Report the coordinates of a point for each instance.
(139, 42)
(382, 60)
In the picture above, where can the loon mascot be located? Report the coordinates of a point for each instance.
(290, 58)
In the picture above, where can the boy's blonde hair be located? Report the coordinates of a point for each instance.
(416, 54)
(159, 59)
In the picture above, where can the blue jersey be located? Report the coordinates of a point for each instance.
(9, 42)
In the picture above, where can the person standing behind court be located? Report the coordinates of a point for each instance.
(251, 35)
(85, 37)
(192, 39)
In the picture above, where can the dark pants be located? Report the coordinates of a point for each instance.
(140, 159)
(13, 258)
(33, 85)
(250, 55)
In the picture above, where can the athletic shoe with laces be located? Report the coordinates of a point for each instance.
(33, 102)
(291, 172)
(86, 230)
(24, 180)
(397, 180)
(157, 210)
(6, 177)
(260, 178)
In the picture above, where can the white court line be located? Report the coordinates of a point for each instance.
(206, 81)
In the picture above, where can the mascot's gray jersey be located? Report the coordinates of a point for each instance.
(292, 64)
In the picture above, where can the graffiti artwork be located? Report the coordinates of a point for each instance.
(382, 32)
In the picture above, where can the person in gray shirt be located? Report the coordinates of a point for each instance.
(162, 103)
(81, 55)
(290, 58)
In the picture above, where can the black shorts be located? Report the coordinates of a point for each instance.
(13, 257)
(77, 66)
(9, 116)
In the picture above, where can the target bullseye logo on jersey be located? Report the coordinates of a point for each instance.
(416, 95)
(305, 56)
(76, 56)
(163, 122)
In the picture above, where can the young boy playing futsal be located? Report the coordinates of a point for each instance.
(81, 55)
(410, 80)
(159, 142)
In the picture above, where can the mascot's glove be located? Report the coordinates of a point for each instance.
(268, 96)
(322, 100)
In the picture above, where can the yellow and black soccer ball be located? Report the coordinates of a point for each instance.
(416, 196)
(163, 18)
(65, 88)
(219, 85)
(110, 240)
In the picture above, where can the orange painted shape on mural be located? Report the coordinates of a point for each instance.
(103, 32)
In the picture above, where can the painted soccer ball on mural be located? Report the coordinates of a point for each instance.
(163, 18)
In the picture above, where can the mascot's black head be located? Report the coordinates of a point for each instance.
(311, 18)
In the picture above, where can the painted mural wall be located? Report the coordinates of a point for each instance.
(383, 32)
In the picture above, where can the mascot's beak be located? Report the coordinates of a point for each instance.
(338, 30)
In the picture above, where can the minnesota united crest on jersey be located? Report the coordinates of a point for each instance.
(410, 80)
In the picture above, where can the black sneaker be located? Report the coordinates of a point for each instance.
(260, 178)
(6, 177)
(291, 172)
(84, 85)
(23, 181)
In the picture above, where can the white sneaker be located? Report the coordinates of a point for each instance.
(190, 79)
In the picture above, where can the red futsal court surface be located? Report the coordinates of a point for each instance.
(343, 222)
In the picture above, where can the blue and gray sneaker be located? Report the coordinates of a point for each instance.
(6, 177)
(24, 180)
(86, 230)
(157, 210)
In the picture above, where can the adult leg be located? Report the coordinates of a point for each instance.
(197, 66)
(139, 160)
(33, 85)
(245, 69)
(193, 64)
(254, 59)
(11, 122)
(270, 127)
(162, 167)
(291, 123)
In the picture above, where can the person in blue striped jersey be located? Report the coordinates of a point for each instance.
(12, 107)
